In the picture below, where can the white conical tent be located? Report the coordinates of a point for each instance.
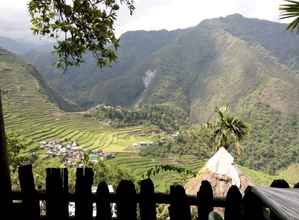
(221, 172)
(222, 163)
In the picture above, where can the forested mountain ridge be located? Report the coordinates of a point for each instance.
(120, 84)
(176, 67)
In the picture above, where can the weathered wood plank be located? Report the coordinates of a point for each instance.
(103, 202)
(147, 203)
(5, 182)
(179, 208)
(126, 201)
(56, 190)
(233, 204)
(30, 204)
(205, 200)
(160, 198)
(84, 179)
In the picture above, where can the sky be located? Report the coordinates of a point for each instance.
(149, 14)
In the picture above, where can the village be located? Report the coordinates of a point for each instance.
(72, 153)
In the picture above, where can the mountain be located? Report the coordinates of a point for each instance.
(120, 84)
(250, 64)
(174, 66)
(21, 47)
(32, 114)
(14, 46)
(43, 87)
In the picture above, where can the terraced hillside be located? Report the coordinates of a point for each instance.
(138, 167)
(30, 114)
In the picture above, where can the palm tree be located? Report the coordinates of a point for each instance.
(290, 10)
(228, 130)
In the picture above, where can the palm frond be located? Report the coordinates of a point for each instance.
(228, 130)
(290, 9)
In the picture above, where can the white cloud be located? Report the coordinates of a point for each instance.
(150, 14)
(14, 19)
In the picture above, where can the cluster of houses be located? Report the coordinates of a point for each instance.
(71, 152)
(56, 148)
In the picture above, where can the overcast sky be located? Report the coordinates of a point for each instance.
(150, 14)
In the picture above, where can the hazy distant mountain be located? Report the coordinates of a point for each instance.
(14, 46)
(21, 47)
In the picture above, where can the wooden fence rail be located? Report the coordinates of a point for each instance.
(130, 205)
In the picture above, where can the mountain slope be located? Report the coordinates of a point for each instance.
(29, 113)
(8, 60)
(274, 37)
(118, 85)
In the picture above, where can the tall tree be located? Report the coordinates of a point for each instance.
(290, 10)
(228, 130)
(79, 26)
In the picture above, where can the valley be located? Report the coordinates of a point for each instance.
(157, 91)
(29, 113)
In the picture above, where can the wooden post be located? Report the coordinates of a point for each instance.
(5, 182)
(233, 204)
(103, 202)
(179, 208)
(147, 202)
(205, 198)
(84, 179)
(30, 204)
(57, 202)
(126, 201)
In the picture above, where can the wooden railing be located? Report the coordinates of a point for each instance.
(57, 198)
